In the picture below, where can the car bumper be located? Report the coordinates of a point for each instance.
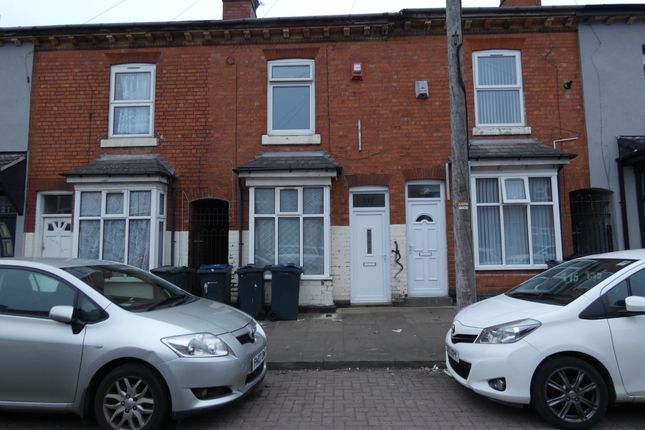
(473, 365)
(200, 384)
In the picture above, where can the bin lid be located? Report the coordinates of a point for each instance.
(290, 268)
(250, 268)
(172, 269)
(209, 268)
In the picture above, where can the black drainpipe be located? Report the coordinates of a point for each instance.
(623, 208)
(240, 219)
(173, 188)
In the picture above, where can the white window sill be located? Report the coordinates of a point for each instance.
(515, 267)
(308, 139)
(122, 142)
(267, 277)
(500, 131)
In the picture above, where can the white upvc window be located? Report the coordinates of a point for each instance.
(499, 98)
(132, 100)
(516, 220)
(126, 225)
(291, 97)
(290, 225)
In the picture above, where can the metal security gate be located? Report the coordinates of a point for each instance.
(208, 232)
(591, 221)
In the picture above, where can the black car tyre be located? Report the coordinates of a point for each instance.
(569, 393)
(131, 397)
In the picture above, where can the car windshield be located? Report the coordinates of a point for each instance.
(131, 288)
(564, 283)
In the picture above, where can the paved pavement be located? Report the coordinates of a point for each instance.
(344, 399)
(370, 336)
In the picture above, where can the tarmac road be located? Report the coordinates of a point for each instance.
(355, 399)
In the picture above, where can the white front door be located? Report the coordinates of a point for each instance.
(427, 256)
(369, 239)
(57, 236)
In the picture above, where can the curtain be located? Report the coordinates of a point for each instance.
(264, 241)
(139, 243)
(515, 189)
(489, 235)
(132, 86)
(91, 203)
(498, 105)
(312, 201)
(542, 234)
(516, 240)
(131, 120)
(314, 246)
(540, 189)
(289, 241)
(487, 190)
(489, 231)
(114, 203)
(140, 203)
(264, 201)
(88, 243)
(114, 240)
(288, 200)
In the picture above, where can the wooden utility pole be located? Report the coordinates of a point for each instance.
(461, 208)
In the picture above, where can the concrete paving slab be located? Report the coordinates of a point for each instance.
(367, 336)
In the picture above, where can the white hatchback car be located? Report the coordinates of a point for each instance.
(569, 341)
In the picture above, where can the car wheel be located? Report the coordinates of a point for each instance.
(131, 397)
(569, 393)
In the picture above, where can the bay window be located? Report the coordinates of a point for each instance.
(516, 220)
(123, 225)
(288, 225)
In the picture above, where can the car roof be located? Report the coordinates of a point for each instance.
(629, 254)
(58, 262)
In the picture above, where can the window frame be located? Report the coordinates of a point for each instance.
(501, 203)
(156, 237)
(518, 86)
(124, 68)
(285, 82)
(300, 215)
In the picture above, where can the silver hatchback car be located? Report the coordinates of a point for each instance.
(102, 338)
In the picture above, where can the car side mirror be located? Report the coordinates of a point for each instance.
(62, 314)
(635, 305)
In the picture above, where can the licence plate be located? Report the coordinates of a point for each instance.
(452, 353)
(258, 359)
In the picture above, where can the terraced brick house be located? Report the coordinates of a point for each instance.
(318, 141)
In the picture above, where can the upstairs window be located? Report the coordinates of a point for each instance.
(291, 97)
(499, 99)
(132, 99)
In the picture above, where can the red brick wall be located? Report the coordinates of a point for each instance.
(211, 111)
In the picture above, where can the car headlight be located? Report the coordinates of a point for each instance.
(509, 332)
(197, 345)
(260, 330)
